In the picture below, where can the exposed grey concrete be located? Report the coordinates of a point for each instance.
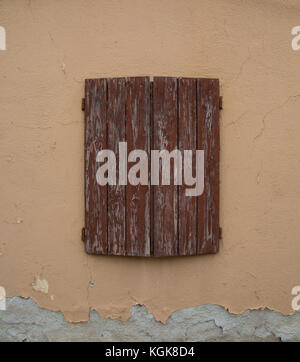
(25, 321)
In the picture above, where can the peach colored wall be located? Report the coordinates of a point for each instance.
(52, 46)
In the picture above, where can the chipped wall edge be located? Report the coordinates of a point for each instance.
(25, 321)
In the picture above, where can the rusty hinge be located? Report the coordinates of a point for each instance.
(220, 102)
(83, 234)
(220, 233)
(83, 104)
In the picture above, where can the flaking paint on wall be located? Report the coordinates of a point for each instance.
(51, 48)
(40, 285)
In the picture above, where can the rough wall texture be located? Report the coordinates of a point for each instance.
(52, 46)
(25, 321)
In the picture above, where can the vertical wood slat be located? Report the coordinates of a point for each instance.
(209, 141)
(95, 140)
(165, 198)
(151, 188)
(116, 115)
(187, 124)
(138, 138)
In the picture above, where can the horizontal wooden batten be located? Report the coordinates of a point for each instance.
(166, 114)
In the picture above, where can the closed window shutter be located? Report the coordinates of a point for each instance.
(147, 220)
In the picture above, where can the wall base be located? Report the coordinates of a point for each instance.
(25, 321)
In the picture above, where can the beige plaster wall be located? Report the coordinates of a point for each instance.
(52, 46)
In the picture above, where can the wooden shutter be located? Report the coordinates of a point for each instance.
(168, 113)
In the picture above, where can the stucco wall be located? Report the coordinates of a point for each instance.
(24, 321)
(52, 46)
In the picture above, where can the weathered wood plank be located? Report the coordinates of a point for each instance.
(151, 188)
(116, 114)
(95, 140)
(165, 198)
(209, 141)
(138, 138)
(187, 123)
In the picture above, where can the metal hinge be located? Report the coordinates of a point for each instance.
(83, 104)
(221, 102)
(83, 234)
(220, 233)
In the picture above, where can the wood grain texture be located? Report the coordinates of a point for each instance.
(95, 140)
(209, 141)
(138, 137)
(187, 133)
(116, 115)
(151, 188)
(165, 199)
(167, 114)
